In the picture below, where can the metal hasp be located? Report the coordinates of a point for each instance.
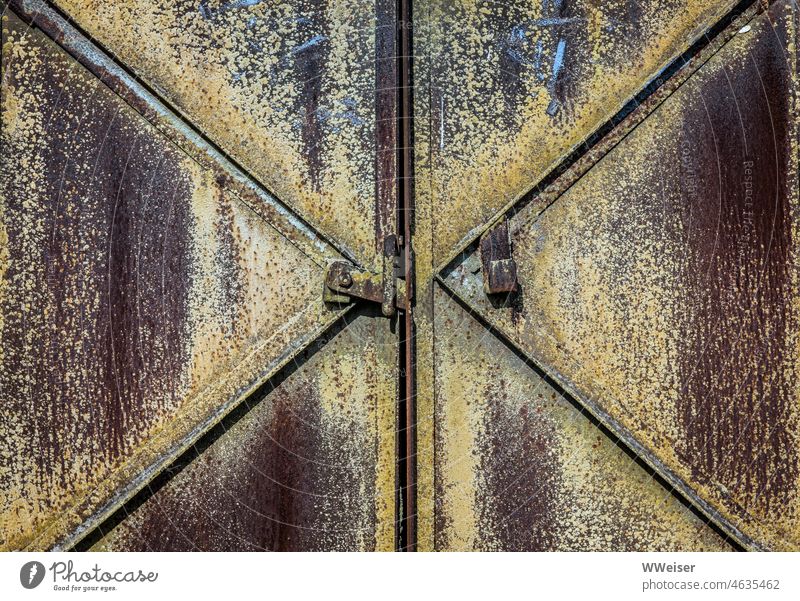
(499, 268)
(345, 282)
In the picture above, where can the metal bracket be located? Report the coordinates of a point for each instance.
(344, 283)
(498, 266)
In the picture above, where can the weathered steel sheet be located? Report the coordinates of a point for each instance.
(521, 469)
(309, 467)
(139, 296)
(662, 287)
(526, 81)
(287, 89)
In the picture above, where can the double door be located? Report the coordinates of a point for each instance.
(441, 275)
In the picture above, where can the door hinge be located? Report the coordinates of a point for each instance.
(498, 266)
(345, 283)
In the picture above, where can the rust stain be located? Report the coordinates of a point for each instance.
(663, 285)
(522, 470)
(300, 471)
(161, 294)
(139, 297)
(286, 89)
(525, 82)
(386, 135)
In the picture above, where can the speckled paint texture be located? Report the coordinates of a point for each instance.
(164, 242)
(304, 469)
(498, 106)
(521, 469)
(285, 88)
(139, 297)
(526, 81)
(663, 285)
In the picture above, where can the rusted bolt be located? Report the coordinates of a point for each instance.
(345, 280)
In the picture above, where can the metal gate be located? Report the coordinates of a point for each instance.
(271, 280)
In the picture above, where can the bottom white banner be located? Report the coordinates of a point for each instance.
(399, 576)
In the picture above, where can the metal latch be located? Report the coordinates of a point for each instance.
(498, 266)
(345, 282)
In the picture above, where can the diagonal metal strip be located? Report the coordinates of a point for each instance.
(540, 188)
(212, 344)
(595, 409)
(305, 464)
(524, 468)
(286, 89)
(664, 299)
(435, 135)
(168, 120)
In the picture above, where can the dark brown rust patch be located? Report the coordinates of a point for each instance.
(739, 384)
(95, 296)
(138, 300)
(521, 469)
(309, 60)
(229, 293)
(661, 288)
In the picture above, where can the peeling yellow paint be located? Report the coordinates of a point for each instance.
(544, 475)
(238, 324)
(667, 300)
(493, 85)
(307, 133)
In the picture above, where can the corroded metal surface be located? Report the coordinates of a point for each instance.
(309, 467)
(147, 283)
(526, 81)
(139, 296)
(41, 15)
(521, 469)
(662, 287)
(497, 264)
(286, 89)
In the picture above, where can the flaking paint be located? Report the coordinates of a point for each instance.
(156, 292)
(521, 469)
(286, 89)
(301, 470)
(647, 289)
(525, 82)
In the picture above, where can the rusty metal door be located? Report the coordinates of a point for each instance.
(172, 377)
(215, 334)
(607, 219)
